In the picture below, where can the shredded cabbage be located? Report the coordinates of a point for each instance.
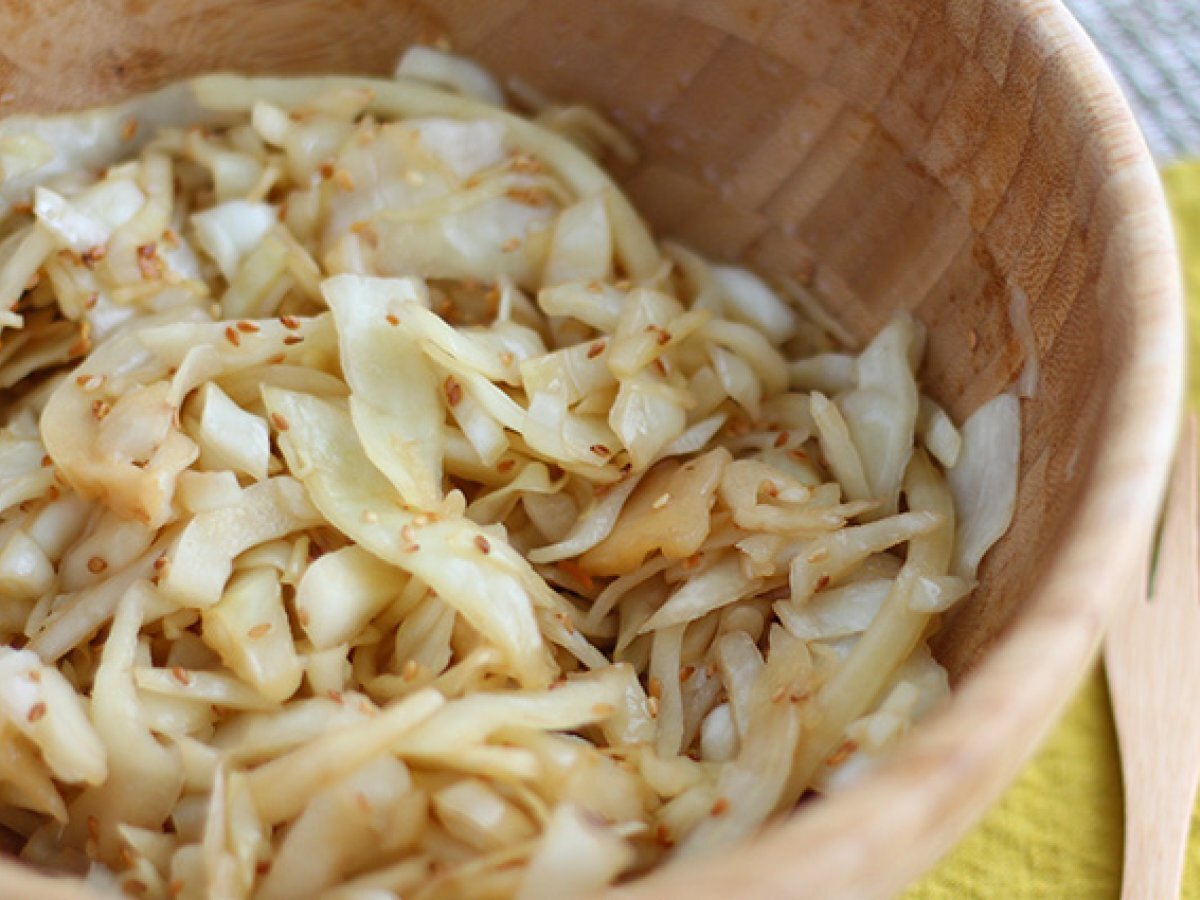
(385, 511)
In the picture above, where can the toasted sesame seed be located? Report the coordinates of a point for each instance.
(393, 319)
(100, 409)
(454, 391)
(720, 807)
(97, 564)
(247, 327)
(290, 322)
(280, 421)
(603, 709)
(262, 629)
(596, 349)
(601, 451)
(36, 712)
(482, 543)
(782, 438)
(179, 673)
(232, 336)
(128, 129)
(290, 340)
(652, 706)
(410, 670)
(325, 170)
(822, 582)
(842, 753)
(505, 465)
(654, 687)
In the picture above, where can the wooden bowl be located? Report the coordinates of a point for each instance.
(935, 156)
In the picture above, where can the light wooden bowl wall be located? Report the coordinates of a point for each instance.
(924, 154)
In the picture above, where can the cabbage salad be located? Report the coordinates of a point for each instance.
(385, 512)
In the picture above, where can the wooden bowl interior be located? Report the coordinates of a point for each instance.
(912, 155)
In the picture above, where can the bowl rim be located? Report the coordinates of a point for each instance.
(944, 776)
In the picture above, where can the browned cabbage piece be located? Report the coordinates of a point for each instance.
(668, 513)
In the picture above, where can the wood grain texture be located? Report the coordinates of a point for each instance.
(1154, 677)
(924, 154)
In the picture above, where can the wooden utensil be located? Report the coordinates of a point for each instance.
(1154, 678)
(944, 157)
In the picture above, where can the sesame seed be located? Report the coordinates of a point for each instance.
(392, 319)
(596, 349)
(505, 465)
(325, 170)
(290, 322)
(280, 421)
(179, 673)
(410, 671)
(36, 712)
(782, 438)
(603, 709)
(720, 807)
(661, 501)
(654, 688)
(232, 336)
(262, 629)
(482, 543)
(601, 451)
(822, 582)
(291, 340)
(100, 409)
(652, 707)
(972, 339)
(454, 391)
(128, 129)
(369, 516)
(247, 327)
(97, 564)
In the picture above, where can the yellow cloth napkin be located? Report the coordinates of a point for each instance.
(1058, 831)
